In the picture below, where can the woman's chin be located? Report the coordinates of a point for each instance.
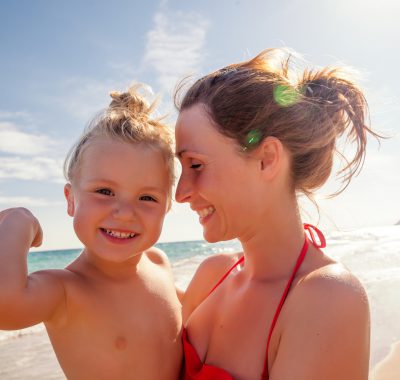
(213, 237)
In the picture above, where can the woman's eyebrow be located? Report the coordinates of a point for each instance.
(186, 152)
(180, 153)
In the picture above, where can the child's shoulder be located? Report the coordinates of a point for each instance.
(157, 256)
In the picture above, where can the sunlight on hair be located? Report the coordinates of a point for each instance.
(286, 95)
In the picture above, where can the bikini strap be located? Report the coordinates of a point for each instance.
(318, 240)
(241, 260)
(300, 259)
(314, 233)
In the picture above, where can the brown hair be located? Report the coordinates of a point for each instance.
(127, 118)
(306, 110)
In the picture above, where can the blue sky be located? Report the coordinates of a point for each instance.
(59, 60)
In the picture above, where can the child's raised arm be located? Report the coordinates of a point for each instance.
(24, 300)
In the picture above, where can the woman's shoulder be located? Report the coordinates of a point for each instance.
(334, 279)
(217, 263)
(207, 275)
(212, 269)
(325, 320)
(329, 290)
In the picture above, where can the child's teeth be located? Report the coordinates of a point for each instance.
(120, 235)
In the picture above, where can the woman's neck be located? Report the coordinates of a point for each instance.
(275, 243)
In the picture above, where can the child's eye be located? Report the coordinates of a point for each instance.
(105, 192)
(147, 198)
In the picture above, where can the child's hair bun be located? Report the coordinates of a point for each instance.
(128, 118)
(130, 101)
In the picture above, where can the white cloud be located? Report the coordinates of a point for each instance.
(13, 140)
(34, 168)
(175, 46)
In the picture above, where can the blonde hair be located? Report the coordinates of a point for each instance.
(307, 110)
(127, 119)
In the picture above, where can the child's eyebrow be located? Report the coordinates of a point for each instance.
(157, 189)
(106, 182)
(100, 180)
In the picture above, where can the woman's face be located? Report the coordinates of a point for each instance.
(218, 182)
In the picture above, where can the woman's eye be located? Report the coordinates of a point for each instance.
(195, 165)
(147, 198)
(105, 192)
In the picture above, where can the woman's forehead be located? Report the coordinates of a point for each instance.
(194, 118)
(195, 131)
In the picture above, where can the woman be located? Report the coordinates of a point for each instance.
(251, 138)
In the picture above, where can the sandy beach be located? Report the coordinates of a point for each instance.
(29, 356)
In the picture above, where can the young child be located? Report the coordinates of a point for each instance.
(113, 313)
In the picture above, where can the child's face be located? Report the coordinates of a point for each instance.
(118, 198)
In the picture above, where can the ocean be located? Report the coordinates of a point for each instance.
(373, 254)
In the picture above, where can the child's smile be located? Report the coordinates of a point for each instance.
(118, 236)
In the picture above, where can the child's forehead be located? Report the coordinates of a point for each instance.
(112, 158)
(109, 148)
(109, 142)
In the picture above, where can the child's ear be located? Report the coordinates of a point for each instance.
(70, 199)
(270, 156)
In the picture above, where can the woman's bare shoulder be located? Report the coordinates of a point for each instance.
(333, 279)
(207, 275)
(217, 263)
(331, 287)
(326, 321)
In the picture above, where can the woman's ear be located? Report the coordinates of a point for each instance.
(270, 156)
(70, 199)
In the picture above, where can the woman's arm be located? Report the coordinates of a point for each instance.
(326, 330)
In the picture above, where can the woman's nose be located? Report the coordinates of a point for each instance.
(183, 190)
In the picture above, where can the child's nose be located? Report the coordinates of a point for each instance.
(124, 210)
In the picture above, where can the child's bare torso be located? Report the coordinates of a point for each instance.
(118, 328)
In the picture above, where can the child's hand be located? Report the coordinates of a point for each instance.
(20, 220)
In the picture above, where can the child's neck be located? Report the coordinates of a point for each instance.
(112, 270)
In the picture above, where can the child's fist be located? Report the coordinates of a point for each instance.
(20, 220)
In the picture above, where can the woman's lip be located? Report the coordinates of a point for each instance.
(204, 219)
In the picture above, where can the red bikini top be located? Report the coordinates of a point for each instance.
(194, 369)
